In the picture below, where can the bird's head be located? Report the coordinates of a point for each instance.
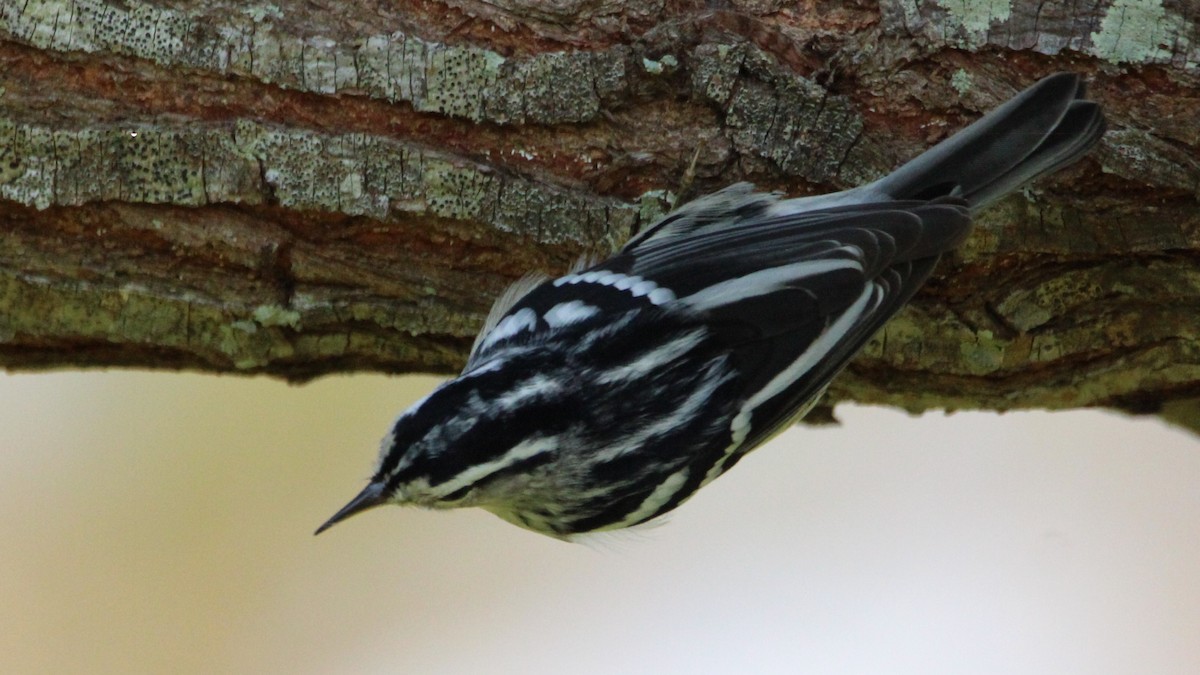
(475, 441)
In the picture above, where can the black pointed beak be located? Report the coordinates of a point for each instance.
(371, 496)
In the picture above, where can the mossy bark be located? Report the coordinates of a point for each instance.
(294, 189)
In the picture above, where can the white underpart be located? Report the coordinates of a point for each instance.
(519, 452)
(739, 428)
(521, 320)
(652, 503)
(565, 313)
(680, 415)
(654, 359)
(635, 285)
(767, 281)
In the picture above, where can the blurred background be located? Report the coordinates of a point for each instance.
(163, 523)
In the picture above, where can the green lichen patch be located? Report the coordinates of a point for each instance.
(1122, 31)
(275, 315)
(133, 28)
(961, 80)
(454, 80)
(976, 17)
(791, 122)
(1142, 31)
(555, 87)
(352, 174)
(130, 163)
(715, 70)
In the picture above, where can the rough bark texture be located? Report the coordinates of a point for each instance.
(298, 188)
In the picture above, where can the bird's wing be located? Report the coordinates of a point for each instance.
(795, 294)
(792, 295)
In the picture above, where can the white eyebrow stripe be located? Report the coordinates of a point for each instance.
(518, 453)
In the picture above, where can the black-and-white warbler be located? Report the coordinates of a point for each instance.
(607, 397)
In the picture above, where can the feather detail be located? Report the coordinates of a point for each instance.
(510, 297)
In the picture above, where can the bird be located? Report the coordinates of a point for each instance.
(604, 398)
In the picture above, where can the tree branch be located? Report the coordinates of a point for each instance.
(295, 190)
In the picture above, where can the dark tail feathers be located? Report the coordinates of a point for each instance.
(1042, 129)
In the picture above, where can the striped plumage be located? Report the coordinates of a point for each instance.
(607, 397)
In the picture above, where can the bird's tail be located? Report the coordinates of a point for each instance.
(1042, 129)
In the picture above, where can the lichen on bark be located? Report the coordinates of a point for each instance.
(296, 189)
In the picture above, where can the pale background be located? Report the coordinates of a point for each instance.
(154, 523)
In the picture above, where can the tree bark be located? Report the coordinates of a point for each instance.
(300, 188)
